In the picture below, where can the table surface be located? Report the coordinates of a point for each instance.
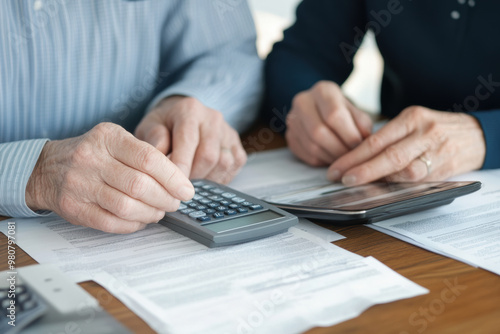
(462, 299)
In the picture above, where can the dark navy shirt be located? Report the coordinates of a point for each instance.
(443, 55)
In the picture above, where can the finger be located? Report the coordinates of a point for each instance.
(361, 119)
(231, 160)
(185, 143)
(151, 130)
(305, 120)
(333, 109)
(307, 151)
(139, 155)
(369, 148)
(128, 208)
(240, 157)
(207, 154)
(391, 160)
(223, 170)
(415, 171)
(159, 137)
(139, 186)
(321, 135)
(92, 215)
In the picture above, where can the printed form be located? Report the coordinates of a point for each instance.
(468, 229)
(283, 284)
(289, 283)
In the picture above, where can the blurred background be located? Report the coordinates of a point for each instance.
(363, 86)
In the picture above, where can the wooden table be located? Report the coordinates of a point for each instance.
(462, 299)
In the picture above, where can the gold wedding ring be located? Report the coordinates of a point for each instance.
(427, 162)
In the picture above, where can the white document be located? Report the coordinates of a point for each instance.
(467, 229)
(287, 283)
(274, 172)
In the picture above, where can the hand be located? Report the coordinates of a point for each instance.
(106, 179)
(197, 139)
(452, 142)
(323, 125)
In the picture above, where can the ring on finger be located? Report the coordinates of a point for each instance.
(427, 162)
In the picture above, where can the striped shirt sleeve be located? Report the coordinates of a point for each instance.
(17, 160)
(222, 70)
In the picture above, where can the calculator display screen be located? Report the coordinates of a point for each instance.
(244, 221)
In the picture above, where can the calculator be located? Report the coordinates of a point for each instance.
(221, 216)
(24, 304)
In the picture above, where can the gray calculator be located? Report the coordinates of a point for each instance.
(220, 216)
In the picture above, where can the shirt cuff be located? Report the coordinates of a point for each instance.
(17, 161)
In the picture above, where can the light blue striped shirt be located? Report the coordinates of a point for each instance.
(67, 65)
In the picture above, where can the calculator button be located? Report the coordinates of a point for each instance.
(193, 205)
(187, 202)
(221, 208)
(204, 193)
(187, 211)
(23, 297)
(230, 212)
(255, 207)
(200, 207)
(216, 198)
(228, 195)
(238, 200)
(246, 203)
(197, 197)
(182, 207)
(208, 186)
(197, 214)
(205, 201)
(213, 205)
(29, 305)
(242, 210)
(217, 191)
(209, 211)
(224, 202)
(204, 219)
(218, 215)
(234, 206)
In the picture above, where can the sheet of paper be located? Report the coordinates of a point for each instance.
(283, 284)
(467, 229)
(274, 172)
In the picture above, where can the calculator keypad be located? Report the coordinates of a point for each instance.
(211, 204)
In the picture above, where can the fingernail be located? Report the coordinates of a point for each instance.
(334, 175)
(185, 193)
(349, 180)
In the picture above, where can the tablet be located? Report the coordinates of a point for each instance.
(370, 203)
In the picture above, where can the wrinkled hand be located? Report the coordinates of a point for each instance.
(106, 179)
(323, 125)
(197, 139)
(453, 142)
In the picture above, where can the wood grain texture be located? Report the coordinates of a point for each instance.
(473, 306)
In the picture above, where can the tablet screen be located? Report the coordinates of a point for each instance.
(366, 197)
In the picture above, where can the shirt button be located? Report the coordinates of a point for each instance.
(37, 5)
(455, 15)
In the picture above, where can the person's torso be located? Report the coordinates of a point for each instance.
(439, 54)
(66, 65)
